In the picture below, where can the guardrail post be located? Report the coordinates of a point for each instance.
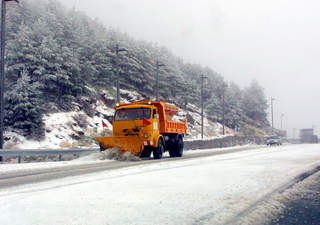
(19, 159)
(60, 157)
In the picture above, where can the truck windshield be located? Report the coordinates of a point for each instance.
(132, 114)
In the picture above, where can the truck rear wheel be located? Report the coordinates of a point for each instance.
(176, 148)
(158, 151)
(179, 147)
(172, 152)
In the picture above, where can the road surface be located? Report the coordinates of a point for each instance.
(245, 185)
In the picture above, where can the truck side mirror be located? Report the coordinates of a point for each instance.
(156, 116)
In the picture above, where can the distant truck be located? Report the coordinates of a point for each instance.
(146, 127)
(305, 135)
(313, 139)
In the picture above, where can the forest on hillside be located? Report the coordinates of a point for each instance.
(55, 56)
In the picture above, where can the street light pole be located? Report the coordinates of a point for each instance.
(272, 99)
(157, 80)
(3, 42)
(117, 72)
(281, 121)
(223, 111)
(202, 77)
(3, 11)
(293, 132)
(123, 51)
(313, 126)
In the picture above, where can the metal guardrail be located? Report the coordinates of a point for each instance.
(37, 152)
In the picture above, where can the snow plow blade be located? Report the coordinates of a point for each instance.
(132, 144)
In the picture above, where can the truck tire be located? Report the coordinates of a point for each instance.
(146, 153)
(176, 148)
(172, 152)
(158, 151)
(179, 147)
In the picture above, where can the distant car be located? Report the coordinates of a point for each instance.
(274, 140)
(313, 139)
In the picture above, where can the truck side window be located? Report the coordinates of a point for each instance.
(147, 113)
(154, 112)
(121, 114)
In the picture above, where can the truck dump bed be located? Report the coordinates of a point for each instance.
(166, 111)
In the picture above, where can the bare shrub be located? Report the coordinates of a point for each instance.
(10, 145)
(65, 144)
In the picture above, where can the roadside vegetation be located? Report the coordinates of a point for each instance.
(59, 60)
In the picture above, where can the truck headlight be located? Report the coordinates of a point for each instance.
(145, 135)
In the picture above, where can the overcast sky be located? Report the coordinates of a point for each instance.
(275, 42)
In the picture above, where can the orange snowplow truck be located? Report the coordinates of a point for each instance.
(145, 126)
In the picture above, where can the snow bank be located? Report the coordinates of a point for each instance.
(116, 154)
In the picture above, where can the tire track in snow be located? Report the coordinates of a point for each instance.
(240, 216)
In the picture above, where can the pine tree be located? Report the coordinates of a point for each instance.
(255, 103)
(234, 115)
(213, 106)
(23, 107)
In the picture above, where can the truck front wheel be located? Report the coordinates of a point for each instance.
(146, 153)
(158, 151)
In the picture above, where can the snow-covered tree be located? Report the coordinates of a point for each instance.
(234, 114)
(255, 103)
(23, 107)
(213, 106)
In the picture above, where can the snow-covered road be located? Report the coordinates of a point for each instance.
(218, 189)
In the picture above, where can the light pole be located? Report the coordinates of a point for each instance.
(281, 121)
(272, 99)
(293, 132)
(313, 126)
(3, 42)
(118, 52)
(202, 77)
(157, 80)
(223, 111)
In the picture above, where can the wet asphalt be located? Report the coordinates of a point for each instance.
(303, 209)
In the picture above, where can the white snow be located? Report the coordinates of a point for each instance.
(59, 130)
(209, 190)
(62, 127)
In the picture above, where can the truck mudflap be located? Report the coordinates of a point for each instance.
(132, 144)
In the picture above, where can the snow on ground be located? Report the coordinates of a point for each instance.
(64, 130)
(68, 129)
(210, 190)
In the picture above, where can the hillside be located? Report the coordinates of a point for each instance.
(61, 63)
(76, 129)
